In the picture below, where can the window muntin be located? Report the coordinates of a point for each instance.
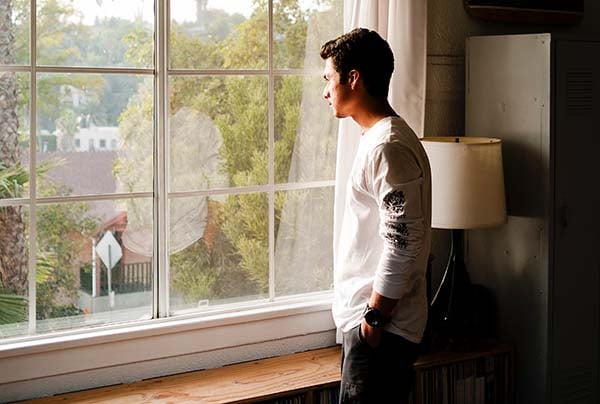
(223, 210)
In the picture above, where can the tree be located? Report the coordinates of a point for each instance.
(13, 307)
(13, 248)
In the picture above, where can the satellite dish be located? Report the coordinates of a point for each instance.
(194, 144)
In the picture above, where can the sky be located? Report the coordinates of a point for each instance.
(181, 10)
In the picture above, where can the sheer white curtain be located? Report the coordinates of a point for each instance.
(403, 23)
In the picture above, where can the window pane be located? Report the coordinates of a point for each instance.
(210, 34)
(14, 134)
(95, 33)
(219, 250)
(78, 111)
(14, 32)
(218, 132)
(75, 288)
(301, 27)
(305, 131)
(14, 252)
(303, 244)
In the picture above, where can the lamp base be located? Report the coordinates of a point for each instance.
(450, 306)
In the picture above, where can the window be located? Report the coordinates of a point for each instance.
(224, 162)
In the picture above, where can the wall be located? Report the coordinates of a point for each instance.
(516, 266)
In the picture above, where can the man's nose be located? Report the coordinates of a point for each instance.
(325, 93)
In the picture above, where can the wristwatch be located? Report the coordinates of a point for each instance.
(374, 318)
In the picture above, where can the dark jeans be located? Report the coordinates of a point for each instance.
(381, 375)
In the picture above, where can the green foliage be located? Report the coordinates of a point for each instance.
(13, 308)
(139, 46)
(56, 26)
(62, 232)
(104, 45)
(57, 221)
(65, 310)
(245, 129)
(238, 107)
(231, 260)
(246, 225)
(189, 52)
(290, 24)
(64, 40)
(20, 18)
(13, 181)
(67, 124)
(235, 261)
(247, 46)
(209, 269)
(287, 101)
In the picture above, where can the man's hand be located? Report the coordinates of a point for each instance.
(370, 335)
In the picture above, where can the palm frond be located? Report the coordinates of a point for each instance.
(12, 180)
(13, 309)
(46, 263)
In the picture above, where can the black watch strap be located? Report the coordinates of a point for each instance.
(374, 318)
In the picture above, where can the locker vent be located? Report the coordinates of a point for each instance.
(574, 386)
(579, 92)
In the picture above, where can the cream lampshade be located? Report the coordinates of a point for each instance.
(467, 190)
(467, 182)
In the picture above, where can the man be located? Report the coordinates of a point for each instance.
(380, 289)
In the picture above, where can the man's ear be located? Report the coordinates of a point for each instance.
(353, 76)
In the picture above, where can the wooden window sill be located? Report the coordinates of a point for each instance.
(248, 382)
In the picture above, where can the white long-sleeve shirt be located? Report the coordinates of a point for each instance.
(386, 230)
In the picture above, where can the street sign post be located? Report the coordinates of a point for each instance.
(110, 252)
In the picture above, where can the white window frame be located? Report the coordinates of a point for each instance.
(78, 359)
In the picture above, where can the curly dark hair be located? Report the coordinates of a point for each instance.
(363, 50)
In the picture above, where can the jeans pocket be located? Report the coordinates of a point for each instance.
(360, 339)
(358, 357)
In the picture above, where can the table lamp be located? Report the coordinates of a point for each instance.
(467, 186)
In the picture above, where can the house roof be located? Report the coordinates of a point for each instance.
(85, 173)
